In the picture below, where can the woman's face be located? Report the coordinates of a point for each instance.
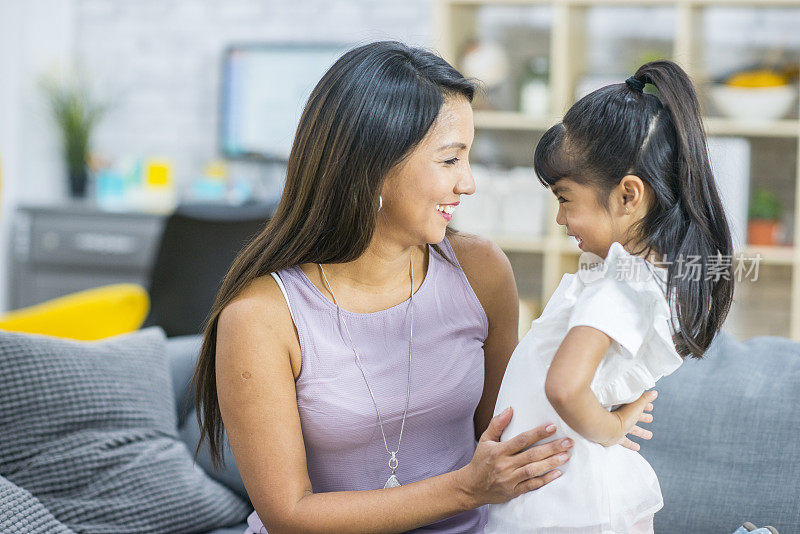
(421, 193)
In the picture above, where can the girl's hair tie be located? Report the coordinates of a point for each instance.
(635, 84)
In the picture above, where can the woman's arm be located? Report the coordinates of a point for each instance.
(255, 383)
(567, 388)
(491, 278)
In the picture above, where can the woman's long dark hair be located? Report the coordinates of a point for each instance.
(618, 130)
(366, 114)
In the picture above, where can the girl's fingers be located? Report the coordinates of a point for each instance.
(646, 418)
(640, 432)
(628, 444)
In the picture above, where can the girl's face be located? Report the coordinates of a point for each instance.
(421, 193)
(593, 226)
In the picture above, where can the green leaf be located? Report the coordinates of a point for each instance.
(764, 205)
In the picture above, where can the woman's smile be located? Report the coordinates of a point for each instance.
(446, 210)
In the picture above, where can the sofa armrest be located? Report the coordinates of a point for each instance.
(183, 352)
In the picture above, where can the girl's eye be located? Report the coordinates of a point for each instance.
(451, 161)
(561, 200)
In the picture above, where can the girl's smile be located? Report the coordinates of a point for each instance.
(594, 226)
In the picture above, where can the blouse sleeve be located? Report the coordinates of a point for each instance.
(612, 307)
(633, 311)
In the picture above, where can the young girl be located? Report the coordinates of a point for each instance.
(631, 173)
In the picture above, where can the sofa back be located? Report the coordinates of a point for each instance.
(726, 446)
(183, 352)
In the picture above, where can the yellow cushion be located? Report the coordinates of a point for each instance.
(86, 315)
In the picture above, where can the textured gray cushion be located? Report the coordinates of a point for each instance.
(22, 513)
(726, 446)
(90, 429)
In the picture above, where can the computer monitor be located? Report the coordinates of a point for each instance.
(264, 90)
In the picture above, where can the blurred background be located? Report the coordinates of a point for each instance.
(144, 141)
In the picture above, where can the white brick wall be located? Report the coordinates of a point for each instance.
(160, 60)
(163, 59)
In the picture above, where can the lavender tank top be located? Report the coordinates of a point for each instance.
(344, 447)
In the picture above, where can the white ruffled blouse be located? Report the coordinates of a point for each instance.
(624, 298)
(603, 490)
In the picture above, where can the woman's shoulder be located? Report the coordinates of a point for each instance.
(260, 302)
(258, 318)
(487, 269)
(478, 256)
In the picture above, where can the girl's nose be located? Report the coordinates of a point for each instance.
(561, 219)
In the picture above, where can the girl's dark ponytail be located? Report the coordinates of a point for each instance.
(703, 303)
(620, 130)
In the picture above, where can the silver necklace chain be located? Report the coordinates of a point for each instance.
(392, 454)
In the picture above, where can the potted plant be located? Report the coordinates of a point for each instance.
(764, 218)
(76, 114)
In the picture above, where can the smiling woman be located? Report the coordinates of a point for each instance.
(362, 409)
(423, 191)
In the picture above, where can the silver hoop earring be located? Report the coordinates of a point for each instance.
(380, 202)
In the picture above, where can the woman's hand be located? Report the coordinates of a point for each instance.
(633, 413)
(500, 471)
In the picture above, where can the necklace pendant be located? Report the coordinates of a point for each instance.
(392, 482)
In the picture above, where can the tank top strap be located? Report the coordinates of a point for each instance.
(282, 287)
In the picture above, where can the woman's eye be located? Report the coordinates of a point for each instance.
(451, 161)
(561, 200)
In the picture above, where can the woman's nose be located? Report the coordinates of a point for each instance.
(466, 183)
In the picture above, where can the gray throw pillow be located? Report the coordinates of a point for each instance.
(22, 513)
(90, 429)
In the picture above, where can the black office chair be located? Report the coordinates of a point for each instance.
(199, 243)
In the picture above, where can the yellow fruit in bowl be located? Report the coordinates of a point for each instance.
(753, 103)
(757, 78)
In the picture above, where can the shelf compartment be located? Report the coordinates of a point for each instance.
(761, 307)
(521, 243)
(782, 128)
(510, 120)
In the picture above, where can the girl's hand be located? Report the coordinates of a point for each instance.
(500, 471)
(629, 415)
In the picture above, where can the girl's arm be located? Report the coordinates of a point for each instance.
(567, 388)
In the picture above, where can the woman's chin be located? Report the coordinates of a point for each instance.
(437, 236)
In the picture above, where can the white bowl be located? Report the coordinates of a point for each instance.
(754, 103)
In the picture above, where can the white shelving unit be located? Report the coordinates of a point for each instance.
(455, 25)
